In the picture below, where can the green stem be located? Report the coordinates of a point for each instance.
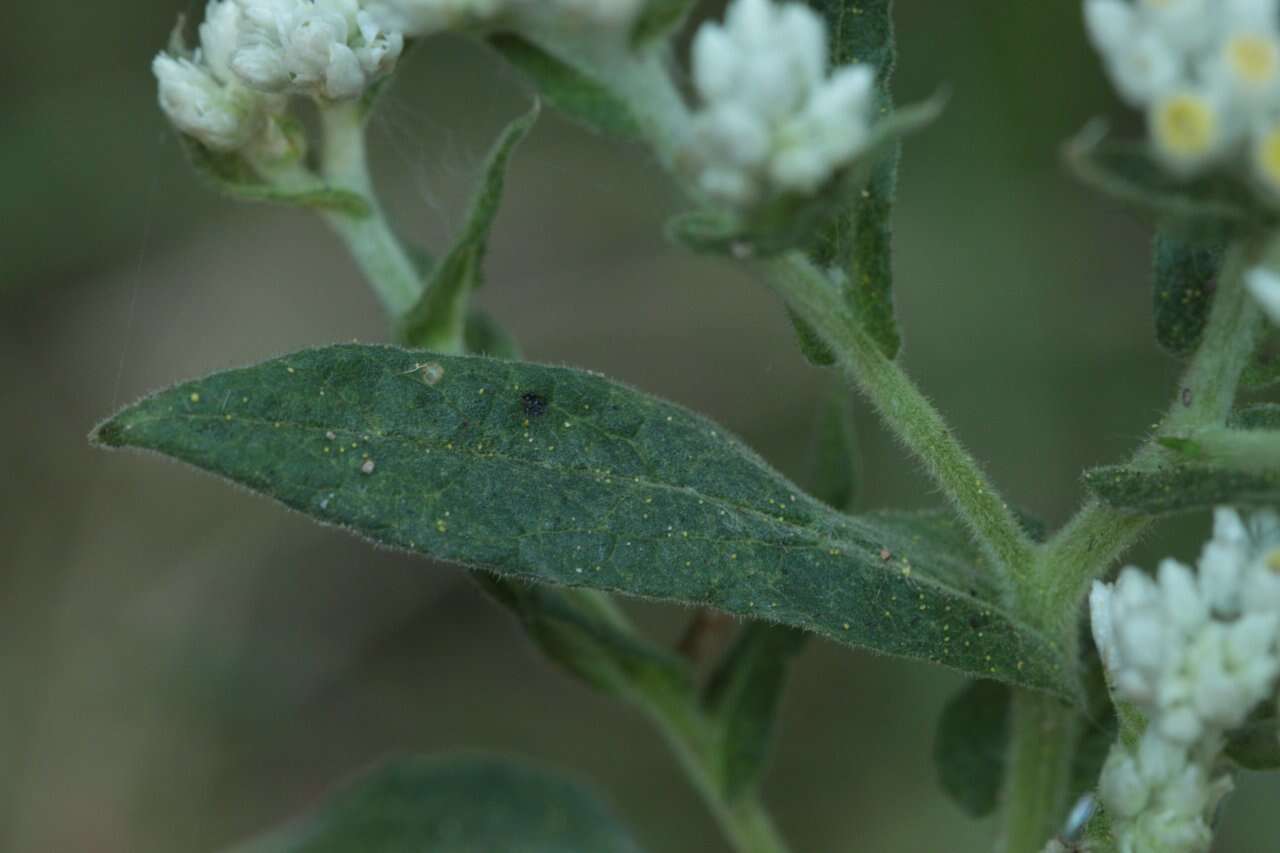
(908, 413)
(1037, 782)
(691, 734)
(1088, 545)
(1250, 450)
(370, 239)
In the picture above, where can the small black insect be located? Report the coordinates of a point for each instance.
(534, 405)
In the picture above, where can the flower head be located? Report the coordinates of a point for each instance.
(773, 120)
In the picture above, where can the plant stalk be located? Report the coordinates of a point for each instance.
(1037, 782)
(372, 243)
(913, 419)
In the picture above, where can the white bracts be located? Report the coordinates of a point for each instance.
(773, 121)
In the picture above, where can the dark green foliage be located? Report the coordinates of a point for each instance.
(440, 316)
(232, 175)
(1182, 488)
(858, 240)
(1130, 172)
(605, 488)
(1257, 416)
(569, 89)
(970, 748)
(483, 336)
(835, 469)
(1256, 744)
(815, 349)
(453, 805)
(1186, 272)
(742, 699)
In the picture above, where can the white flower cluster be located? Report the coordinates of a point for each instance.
(1195, 652)
(773, 120)
(427, 17)
(1207, 73)
(254, 51)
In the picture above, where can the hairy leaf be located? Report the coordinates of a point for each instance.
(1182, 488)
(969, 750)
(1186, 271)
(231, 175)
(453, 805)
(561, 476)
(569, 89)
(743, 697)
(1130, 172)
(834, 477)
(815, 349)
(438, 320)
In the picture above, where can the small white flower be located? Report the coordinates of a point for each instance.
(219, 35)
(774, 122)
(222, 117)
(1110, 23)
(324, 48)
(1189, 128)
(1264, 285)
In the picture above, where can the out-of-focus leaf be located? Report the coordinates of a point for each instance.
(659, 19)
(439, 319)
(1256, 744)
(484, 336)
(815, 349)
(1256, 416)
(1130, 172)
(970, 748)
(557, 475)
(1263, 369)
(835, 469)
(569, 89)
(1186, 272)
(859, 238)
(742, 698)
(454, 805)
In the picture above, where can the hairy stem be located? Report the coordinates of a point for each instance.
(1039, 771)
(908, 413)
(1088, 545)
(370, 239)
(691, 734)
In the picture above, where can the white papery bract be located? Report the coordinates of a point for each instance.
(1195, 651)
(772, 120)
(1207, 74)
(332, 49)
(202, 97)
(1264, 286)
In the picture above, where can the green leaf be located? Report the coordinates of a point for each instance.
(454, 805)
(484, 336)
(834, 477)
(659, 19)
(232, 175)
(1186, 273)
(569, 89)
(743, 697)
(1256, 416)
(560, 476)
(1263, 369)
(1130, 172)
(582, 631)
(970, 748)
(859, 239)
(439, 319)
(1182, 488)
(1256, 744)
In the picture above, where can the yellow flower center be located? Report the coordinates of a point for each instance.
(1253, 59)
(1185, 126)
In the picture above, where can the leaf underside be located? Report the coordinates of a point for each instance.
(1186, 270)
(560, 476)
(1182, 489)
(453, 805)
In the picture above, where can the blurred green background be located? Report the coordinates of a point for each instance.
(181, 664)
